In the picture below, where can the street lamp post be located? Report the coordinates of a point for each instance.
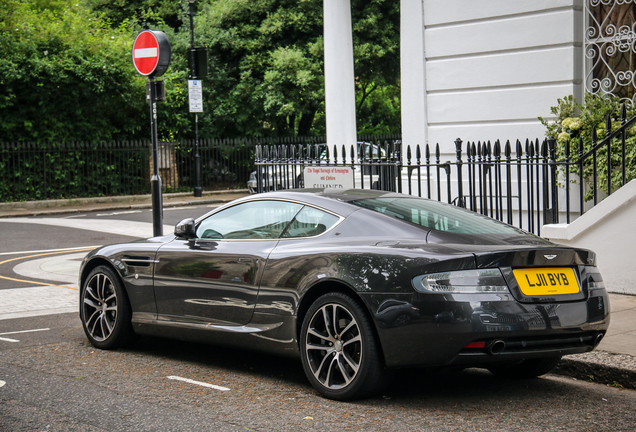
(193, 73)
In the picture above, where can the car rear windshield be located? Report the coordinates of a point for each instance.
(436, 215)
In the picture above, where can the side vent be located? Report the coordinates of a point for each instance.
(138, 260)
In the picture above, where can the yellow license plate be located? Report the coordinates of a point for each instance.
(547, 281)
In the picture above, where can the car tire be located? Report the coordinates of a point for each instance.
(340, 352)
(105, 310)
(529, 368)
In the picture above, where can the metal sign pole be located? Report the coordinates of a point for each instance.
(151, 54)
(155, 181)
(197, 158)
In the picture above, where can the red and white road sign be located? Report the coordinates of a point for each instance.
(151, 53)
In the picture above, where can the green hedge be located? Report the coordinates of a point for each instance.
(40, 171)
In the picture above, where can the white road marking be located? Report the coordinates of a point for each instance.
(49, 250)
(203, 384)
(8, 340)
(74, 216)
(25, 331)
(111, 226)
(2, 383)
(118, 213)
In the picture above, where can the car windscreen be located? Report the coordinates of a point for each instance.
(436, 215)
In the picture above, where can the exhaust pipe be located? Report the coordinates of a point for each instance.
(495, 347)
(599, 338)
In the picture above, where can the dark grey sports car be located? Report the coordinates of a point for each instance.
(356, 283)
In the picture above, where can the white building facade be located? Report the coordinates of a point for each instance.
(490, 67)
(485, 70)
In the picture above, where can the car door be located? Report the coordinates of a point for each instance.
(214, 277)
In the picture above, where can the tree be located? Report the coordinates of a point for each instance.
(66, 72)
(376, 33)
(145, 13)
(267, 63)
(65, 75)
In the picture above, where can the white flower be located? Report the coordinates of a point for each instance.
(563, 137)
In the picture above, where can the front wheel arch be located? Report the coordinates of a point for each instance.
(96, 262)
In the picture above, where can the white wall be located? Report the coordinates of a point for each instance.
(609, 229)
(493, 67)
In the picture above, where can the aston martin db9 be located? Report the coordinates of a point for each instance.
(356, 283)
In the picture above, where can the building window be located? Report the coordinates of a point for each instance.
(610, 48)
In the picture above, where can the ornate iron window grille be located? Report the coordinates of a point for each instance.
(610, 48)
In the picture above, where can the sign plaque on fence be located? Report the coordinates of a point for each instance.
(337, 177)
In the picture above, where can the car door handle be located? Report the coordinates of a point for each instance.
(246, 260)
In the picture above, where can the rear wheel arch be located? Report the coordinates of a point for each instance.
(339, 346)
(322, 288)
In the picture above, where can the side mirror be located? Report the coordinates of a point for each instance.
(186, 229)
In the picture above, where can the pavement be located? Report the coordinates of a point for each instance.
(612, 363)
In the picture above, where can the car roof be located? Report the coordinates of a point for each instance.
(332, 199)
(344, 195)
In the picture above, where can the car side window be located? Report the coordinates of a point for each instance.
(310, 222)
(251, 220)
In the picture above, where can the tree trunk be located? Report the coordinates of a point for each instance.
(306, 121)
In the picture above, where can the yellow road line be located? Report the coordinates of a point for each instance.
(39, 255)
(38, 283)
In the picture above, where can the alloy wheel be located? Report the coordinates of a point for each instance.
(333, 346)
(99, 307)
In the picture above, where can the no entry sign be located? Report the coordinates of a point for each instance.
(151, 53)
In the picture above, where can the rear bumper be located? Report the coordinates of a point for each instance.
(434, 330)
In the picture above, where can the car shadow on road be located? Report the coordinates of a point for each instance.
(410, 386)
(228, 358)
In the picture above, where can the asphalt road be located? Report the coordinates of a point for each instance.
(26, 241)
(171, 215)
(52, 379)
(68, 385)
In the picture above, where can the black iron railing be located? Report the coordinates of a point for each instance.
(524, 184)
(376, 161)
(517, 188)
(40, 171)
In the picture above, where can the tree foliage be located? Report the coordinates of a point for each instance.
(576, 123)
(267, 64)
(144, 13)
(65, 75)
(66, 72)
